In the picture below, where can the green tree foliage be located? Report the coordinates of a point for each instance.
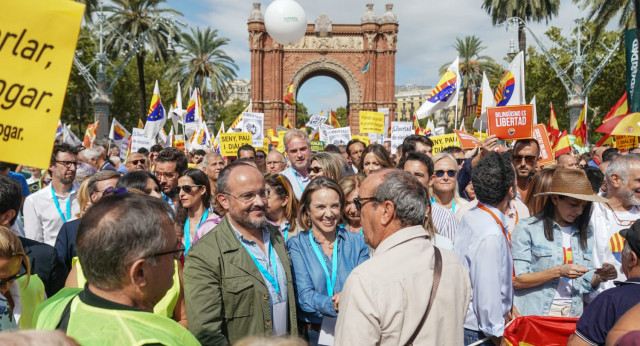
(229, 113)
(302, 114)
(472, 64)
(342, 114)
(203, 64)
(543, 82)
(603, 11)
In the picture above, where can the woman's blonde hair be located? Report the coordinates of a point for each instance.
(331, 165)
(10, 247)
(83, 197)
(456, 194)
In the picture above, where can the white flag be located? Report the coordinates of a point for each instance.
(510, 90)
(444, 94)
(486, 100)
(156, 117)
(535, 111)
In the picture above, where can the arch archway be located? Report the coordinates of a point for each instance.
(361, 57)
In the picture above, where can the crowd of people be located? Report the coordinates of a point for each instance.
(354, 245)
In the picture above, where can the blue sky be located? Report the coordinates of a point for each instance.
(427, 32)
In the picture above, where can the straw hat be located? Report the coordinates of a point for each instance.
(572, 183)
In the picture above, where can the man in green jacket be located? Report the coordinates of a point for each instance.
(237, 278)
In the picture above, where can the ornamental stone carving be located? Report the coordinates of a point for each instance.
(331, 43)
(323, 26)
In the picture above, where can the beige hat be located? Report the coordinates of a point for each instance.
(572, 183)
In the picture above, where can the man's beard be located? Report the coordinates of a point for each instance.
(629, 196)
(528, 175)
(172, 192)
(247, 223)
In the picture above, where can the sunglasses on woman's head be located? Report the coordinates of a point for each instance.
(440, 173)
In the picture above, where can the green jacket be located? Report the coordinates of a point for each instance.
(225, 294)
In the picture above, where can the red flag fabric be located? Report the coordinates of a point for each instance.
(563, 146)
(540, 330)
(621, 107)
(288, 97)
(552, 128)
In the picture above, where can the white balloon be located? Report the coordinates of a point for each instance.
(286, 21)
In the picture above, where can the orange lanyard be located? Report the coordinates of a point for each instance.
(507, 235)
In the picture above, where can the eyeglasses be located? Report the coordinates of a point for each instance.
(530, 159)
(358, 201)
(177, 253)
(621, 222)
(11, 279)
(115, 191)
(315, 170)
(138, 162)
(68, 164)
(440, 173)
(166, 175)
(249, 196)
(189, 188)
(460, 161)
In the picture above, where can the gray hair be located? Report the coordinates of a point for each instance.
(91, 153)
(115, 159)
(92, 186)
(620, 166)
(295, 133)
(407, 195)
(209, 156)
(117, 230)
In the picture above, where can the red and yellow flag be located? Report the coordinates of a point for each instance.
(333, 120)
(563, 146)
(288, 97)
(621, 107)
(581, 127)
(286, 122)
(90, 134)
(552, 128)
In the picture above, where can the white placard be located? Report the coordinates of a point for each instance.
(324, 132)
(254, 124)
(340, 136)
(375, 138)
(316, 121)
(399, 131)
(139, 140)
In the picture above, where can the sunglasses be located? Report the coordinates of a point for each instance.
(530, 159)
(358, 201)
(460, 161)
(315, 170)
(189, 188)
(440, 173)
(115, 191)
(138, 162)
(11, 279)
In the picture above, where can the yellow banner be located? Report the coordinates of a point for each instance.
(626, 142)
(481, 135)
(444, 141)
(231, 142)
(37, 43)
(371, 122)
(363, 139)
(317, 145)
(280, 146)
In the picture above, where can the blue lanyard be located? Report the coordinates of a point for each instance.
(187, 230)
(55, 201)
(286, 232)
(360, 231)
(453, 204)
(264, 272)
(334, 263)
(343, 227)
(297, 180)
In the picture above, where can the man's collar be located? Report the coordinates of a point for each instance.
(399, 237)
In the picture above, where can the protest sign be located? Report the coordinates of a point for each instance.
(371, 122)
(280, 146)
(467, 141)
(510, 122)
(254, 123)
(363, 139)
(139, 140)
(399, 131)
(626, 142)
(324, 132)
(316, 121)
(340, 136)
(444, 141)
(375, 138)
(231, 142)
(124, 146)
(179, 142)
(481, 135)
(264, 147)
(539, 133)
(317, 145)
(281, 128)
(38, 44)
(385, 111)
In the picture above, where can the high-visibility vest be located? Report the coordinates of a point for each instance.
(90, 325)
(164, 307)
(31, 295)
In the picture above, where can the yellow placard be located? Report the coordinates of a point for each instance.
(444, 141)
(481, 135)
(371, 122)
(626, 142)
(363, 139)
(37, 43)
(231, 142)
(317, 146)
(280, 146)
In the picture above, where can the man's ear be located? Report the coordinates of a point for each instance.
(136, 273)
(6, 217)
(222, 199)
(388, 212)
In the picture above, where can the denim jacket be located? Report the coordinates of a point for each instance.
(532, 253)
(309, 278)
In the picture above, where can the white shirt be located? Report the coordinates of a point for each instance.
(564, 292)
(298, 182)
(42, 220)
(605, 226)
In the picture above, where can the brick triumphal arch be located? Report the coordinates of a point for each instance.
(341, 52)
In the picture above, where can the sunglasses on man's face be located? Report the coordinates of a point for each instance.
(530, 159)
(138, 162)
(440, 173)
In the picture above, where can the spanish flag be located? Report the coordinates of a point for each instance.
(286, 122)
(621, 107)
(333, 120)
(90, 134)
(288, 97)
(563, 146)
(552, 128)
(581, 127)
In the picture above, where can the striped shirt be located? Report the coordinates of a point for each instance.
(445, 221)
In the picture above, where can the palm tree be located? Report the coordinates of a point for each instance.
(472, 64)
(527, 10)
(602, 11)
(203, 64)
(138, 20)
(90, 7)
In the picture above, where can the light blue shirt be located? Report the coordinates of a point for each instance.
(533, 253)
(265, 262)
(298, 182)
(484, 251)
